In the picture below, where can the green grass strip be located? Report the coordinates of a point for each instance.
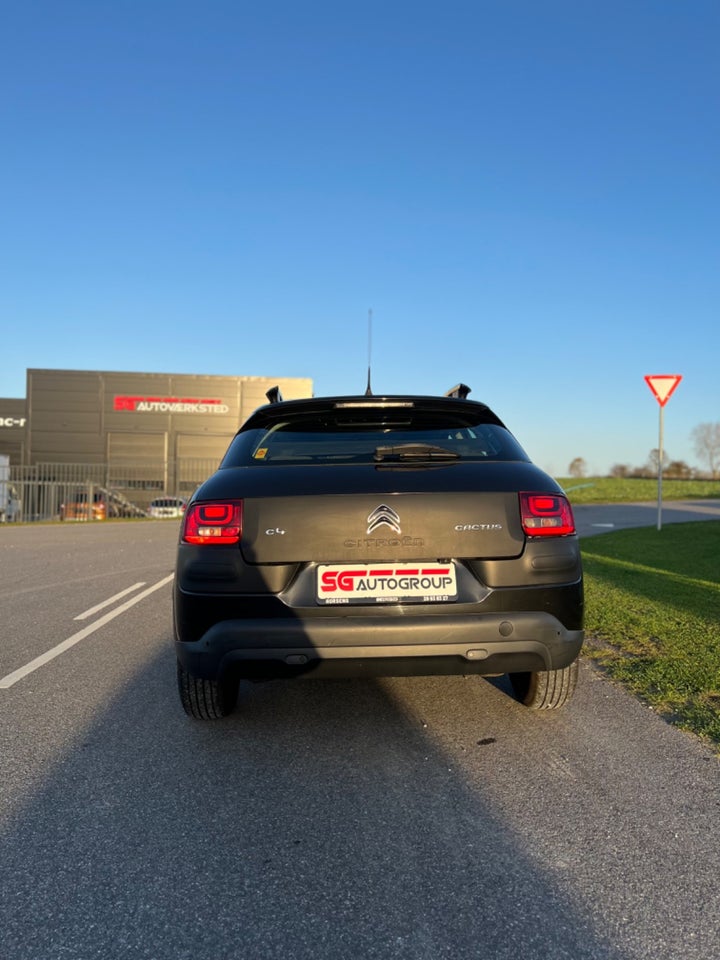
(641, 568)
(636, 489)
(653, 618)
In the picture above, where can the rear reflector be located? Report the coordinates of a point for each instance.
(217, 521)
(546, 515)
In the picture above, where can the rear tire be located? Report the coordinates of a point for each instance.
(206, 699)
(546, 689)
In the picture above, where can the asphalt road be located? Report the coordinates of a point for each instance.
(413, 818)
(603, 518)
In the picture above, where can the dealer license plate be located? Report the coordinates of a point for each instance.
(386, 583)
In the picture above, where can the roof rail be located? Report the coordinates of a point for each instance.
(459, 392)
(274, 395)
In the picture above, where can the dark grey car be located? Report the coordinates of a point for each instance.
(377, 536)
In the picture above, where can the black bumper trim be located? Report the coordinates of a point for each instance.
(476, 643)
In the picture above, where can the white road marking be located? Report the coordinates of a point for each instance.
(12, 678)
(106, 603)
(602, 524)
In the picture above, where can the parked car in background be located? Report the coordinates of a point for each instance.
(77, 507)
(376, 536)
(164, 507)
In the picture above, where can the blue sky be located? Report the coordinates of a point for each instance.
(525, 194)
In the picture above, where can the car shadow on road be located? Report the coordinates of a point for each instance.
(321, 820)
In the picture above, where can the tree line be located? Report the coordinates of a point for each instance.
(706, 442)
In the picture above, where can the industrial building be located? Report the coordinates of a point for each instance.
(133, 434)
(13, 418)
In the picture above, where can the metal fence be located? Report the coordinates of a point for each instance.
(87, 491)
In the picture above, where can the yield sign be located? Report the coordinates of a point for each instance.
(663, 385)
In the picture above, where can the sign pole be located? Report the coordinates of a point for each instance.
(663, 386)
(660, 469)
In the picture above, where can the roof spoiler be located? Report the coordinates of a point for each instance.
(274, 395)
(459, 392)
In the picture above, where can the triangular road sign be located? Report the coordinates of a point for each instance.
(663, 385)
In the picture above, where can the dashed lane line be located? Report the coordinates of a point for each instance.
(12, 678)
(106, 603)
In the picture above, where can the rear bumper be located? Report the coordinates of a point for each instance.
(381, 646)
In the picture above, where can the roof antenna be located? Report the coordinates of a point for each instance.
(368, 390)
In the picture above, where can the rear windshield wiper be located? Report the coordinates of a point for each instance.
(415, 451)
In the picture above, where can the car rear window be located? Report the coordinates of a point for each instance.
(345, 437)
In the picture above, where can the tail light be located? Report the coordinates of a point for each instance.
(546, 515)
(214, 521)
